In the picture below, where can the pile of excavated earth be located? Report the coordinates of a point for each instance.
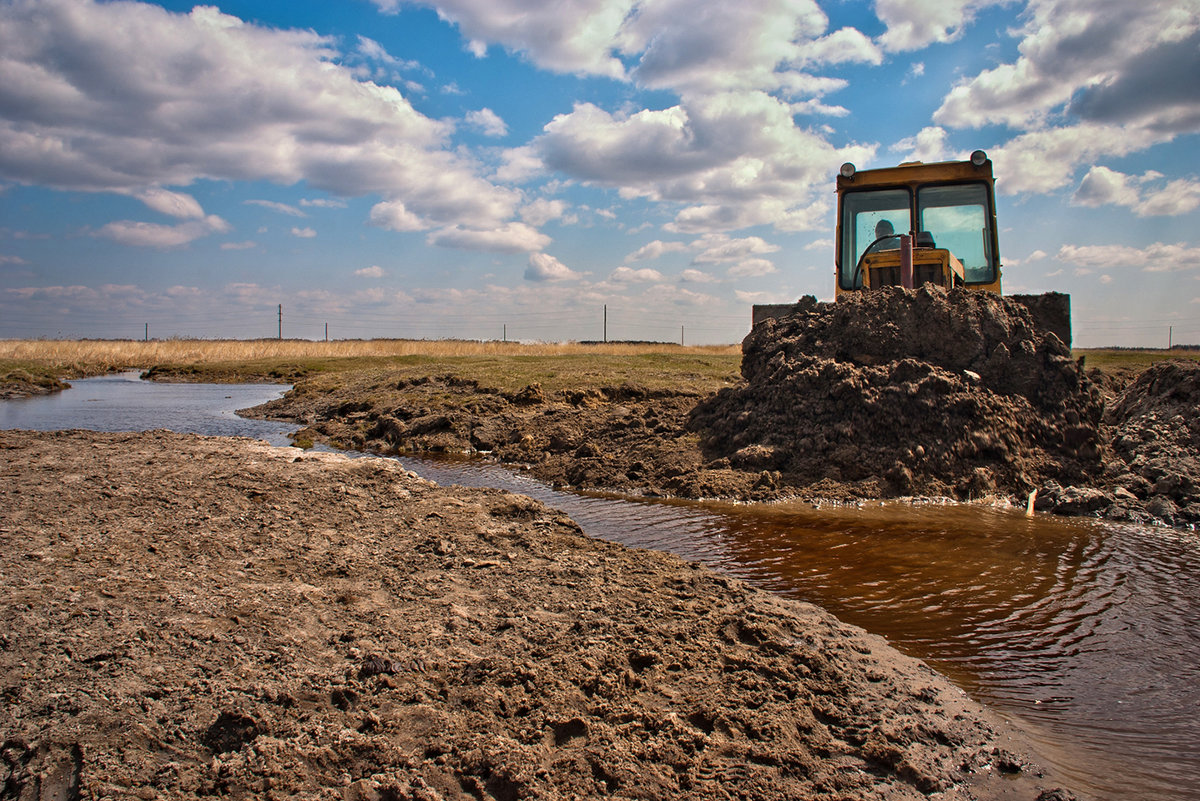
(929, 392)
(895, 393)
(917, 392)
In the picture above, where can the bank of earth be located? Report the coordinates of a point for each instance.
(892, 394)
(188, 617)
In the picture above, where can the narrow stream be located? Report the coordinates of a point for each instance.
(1085, 633)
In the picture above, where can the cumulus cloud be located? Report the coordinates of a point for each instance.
(655, 249)
(511, 238)
(152, 99)
(1102, 186)
(1093, 78)
(374, 271)
(544, 267)
(487, 122)
(914, 24)
(155, 235)
(392, 215)
(1155, 258)
(304, 233)
(929, 145)
(736, 160)
(752, 267)
(542, 210)
(719, 248)
(693, 276)
(1147, 195)
(627, 275)
(246, 245)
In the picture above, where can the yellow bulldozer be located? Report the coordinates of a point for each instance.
(919, 224)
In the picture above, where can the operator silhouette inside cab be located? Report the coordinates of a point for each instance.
(885, 237)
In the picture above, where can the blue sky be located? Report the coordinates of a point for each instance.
(489, 168)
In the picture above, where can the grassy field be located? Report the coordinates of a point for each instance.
(1132, 360)
(506, 366)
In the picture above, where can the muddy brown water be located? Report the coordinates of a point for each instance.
(1085, 633)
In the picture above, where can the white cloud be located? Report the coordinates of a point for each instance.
(487, 122)
(246, 245)
(154, 235)
(282, 208)
(682, 45)
(12, 260)
(693, 276)
(511, 238)
(542, 210)
(929, 145)
(392, 215)
(1155, 258)
(323, 202)
(719, 248)
(1103, 186)
(1094, 78)
(173, 204)
(1177, 197)
(655, 249)
(752, 267)
(304, 233)
(155, 99)
(519, 164)
(374, 271)
(626, 275)
(914, 24)
(1046, 160)
(544, 267)
(737, 159)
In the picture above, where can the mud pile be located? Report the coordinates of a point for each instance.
(905, 392)
(1155, 472)
(253, 623)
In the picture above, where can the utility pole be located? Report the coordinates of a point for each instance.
(606, 323)
(505, 334)
(1170, 336)
(281, 321)
(681, 336)
(326, 332)
(147, 332)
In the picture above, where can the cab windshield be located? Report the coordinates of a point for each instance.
(955, 216)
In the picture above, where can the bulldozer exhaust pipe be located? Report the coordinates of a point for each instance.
(906, 261)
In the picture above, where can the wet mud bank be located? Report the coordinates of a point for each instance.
(893, 394)
(189, 616)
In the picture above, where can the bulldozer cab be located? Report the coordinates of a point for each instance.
(918, 223)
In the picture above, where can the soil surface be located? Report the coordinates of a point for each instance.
(890, 394)
(188, 616)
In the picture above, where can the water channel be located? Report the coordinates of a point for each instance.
(1083, 632)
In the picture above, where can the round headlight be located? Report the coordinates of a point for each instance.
(847, 170)
(978, 158)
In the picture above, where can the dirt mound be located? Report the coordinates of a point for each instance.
(909, 392)
(1156, 439)
(253, 623)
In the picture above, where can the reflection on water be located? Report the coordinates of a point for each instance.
(123, 402)
(1085, 632)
